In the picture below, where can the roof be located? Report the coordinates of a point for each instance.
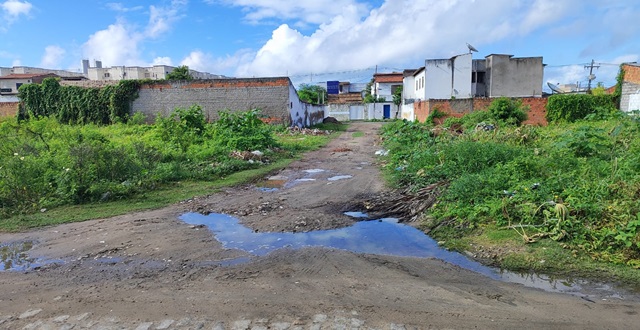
(28, 75)
(395, 77)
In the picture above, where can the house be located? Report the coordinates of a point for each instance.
(504, 75)
(630, 97)
(9, 84)
(385, 85)
(117, 73)
(439, 79)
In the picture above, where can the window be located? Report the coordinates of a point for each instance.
(477, 77)
(107, 75)
(147, 75)
(18, 85)
(5, 90)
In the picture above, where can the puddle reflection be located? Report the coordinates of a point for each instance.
(382, 237)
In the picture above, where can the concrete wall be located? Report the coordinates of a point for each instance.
(462, 76)
(303, 114)
(358, 111)
(8, 109)
(514, 77)
(460, 107)
(272, 95)
(438, 82)
(407, 112)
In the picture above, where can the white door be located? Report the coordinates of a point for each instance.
(356, 112)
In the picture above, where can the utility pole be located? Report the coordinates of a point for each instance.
(591, 76)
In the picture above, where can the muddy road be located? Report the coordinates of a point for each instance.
(151, 270)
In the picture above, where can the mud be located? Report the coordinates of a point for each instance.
(149, 268)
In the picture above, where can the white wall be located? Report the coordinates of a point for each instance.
(438, 79)
(303, 114)
(462, 77)
(409, 88)
(407, 112)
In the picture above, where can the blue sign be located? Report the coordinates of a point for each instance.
(333, 87)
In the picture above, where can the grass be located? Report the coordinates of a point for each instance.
(546, 256)
(357, 134)
(167, 194)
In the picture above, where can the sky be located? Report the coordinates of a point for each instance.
(318, 40)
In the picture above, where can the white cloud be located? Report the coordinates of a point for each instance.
(606, 72)
(12, 10)
(161, 19)
(119, 7)
(395, 33)
(120, 43)
(52, 57)
(116, 45)
(301, 11)
(205, 62)
(162, 61)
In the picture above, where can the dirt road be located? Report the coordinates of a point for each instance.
(150, 270)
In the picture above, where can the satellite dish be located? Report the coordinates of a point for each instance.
(555, 88)
(471, 48)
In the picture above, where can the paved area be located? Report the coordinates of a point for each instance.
(30, 320)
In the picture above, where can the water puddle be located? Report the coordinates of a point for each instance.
(340, 177)
(382, 237)
(305, 180)
(14, 256)
(314, 170)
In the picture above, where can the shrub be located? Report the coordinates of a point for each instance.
(573, 107)
(508, 111)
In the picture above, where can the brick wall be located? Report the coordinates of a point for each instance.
(631, 73)
(460, 107)
(271, 95)
(630, 85)
(8, 109)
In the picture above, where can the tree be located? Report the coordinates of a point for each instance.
(180, 73)
(368, 97)
(313, 94)
(397, 99)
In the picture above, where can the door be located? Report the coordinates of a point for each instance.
(356, 112)
(386, 111)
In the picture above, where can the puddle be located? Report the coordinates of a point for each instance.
(305, 180)
(265, 189)
(314, 170)
(356, 214)
(14, 257)
(382, 237)
(340, 177)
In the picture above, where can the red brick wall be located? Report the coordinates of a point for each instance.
(631, 73)
(460, 107)
(8, 109)
(220, 83)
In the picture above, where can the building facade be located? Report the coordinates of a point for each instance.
(630, 97)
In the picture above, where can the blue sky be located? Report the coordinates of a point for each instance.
(308, 39)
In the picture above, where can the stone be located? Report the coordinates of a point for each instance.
(241, 325)
(29, 313)
(165, 324)
(61, 318)
(144, 326)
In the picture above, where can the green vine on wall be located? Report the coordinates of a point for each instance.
(78, 105)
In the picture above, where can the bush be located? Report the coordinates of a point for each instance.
(573, 107)
(508, 111)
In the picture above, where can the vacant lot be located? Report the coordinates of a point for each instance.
(150, 270)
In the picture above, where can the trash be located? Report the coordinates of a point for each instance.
(257, 153)
(382, 152)
(485, 127)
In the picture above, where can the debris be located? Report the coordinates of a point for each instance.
(330, 120)
(382, 152)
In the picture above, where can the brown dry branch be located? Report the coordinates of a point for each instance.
(408, 205)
